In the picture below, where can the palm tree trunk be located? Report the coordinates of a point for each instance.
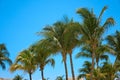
(72, 68)
(93, 63)
(92, 69)
(65, 65)
(30, 76)
(42, 74)
(66, 71)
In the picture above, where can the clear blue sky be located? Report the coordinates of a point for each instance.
(21, 19)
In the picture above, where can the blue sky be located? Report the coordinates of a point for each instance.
(21, 19)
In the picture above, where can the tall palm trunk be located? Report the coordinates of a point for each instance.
(92, 69)
(93, 58)
(30, 76)
(42, 74)
(71, 63)
(65, 65)
(66, 71)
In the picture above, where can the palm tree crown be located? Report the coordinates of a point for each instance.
(64, 35)
(42, 55)
(114, 44)
(24, 61)
(92, 30)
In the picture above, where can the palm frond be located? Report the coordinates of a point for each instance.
(83, 54)
(109, 22)
(51, 61)
(84, 12)
(101, 13)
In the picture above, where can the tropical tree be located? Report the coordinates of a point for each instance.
(71, 38)
(92, 30)
(42, 55)
(111, 70)
(56, 35)
(98, 73)
(64, 35)
(100, 50)
(4, 56)
(85, 70)
(17, 77)
(100, 54)
(25, 61)
(114, 44)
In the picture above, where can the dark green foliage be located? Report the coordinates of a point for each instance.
(4, 56)
(60, 78)
(92, 31)
(114, 44)
(18, 77)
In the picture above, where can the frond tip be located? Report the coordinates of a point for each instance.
(51, 61)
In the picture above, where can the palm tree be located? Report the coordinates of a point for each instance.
(100, 50)
(71, 38)
(92, 29)
(111, 70)
(42, 55)
(17, 77)
(63, 34)
(114, 44)
(56, 35)
(4, 56)
(24, 61)
(98, 73)
(85, 70)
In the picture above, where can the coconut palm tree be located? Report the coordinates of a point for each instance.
(85, 70)
(72, 41)
(98, 73)
(92, 29)
(4, 56)
(42, 55)
(64, 34)
(56, 35)
(100, 50)
(24, 61)
(111, 70)
(114, 44)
